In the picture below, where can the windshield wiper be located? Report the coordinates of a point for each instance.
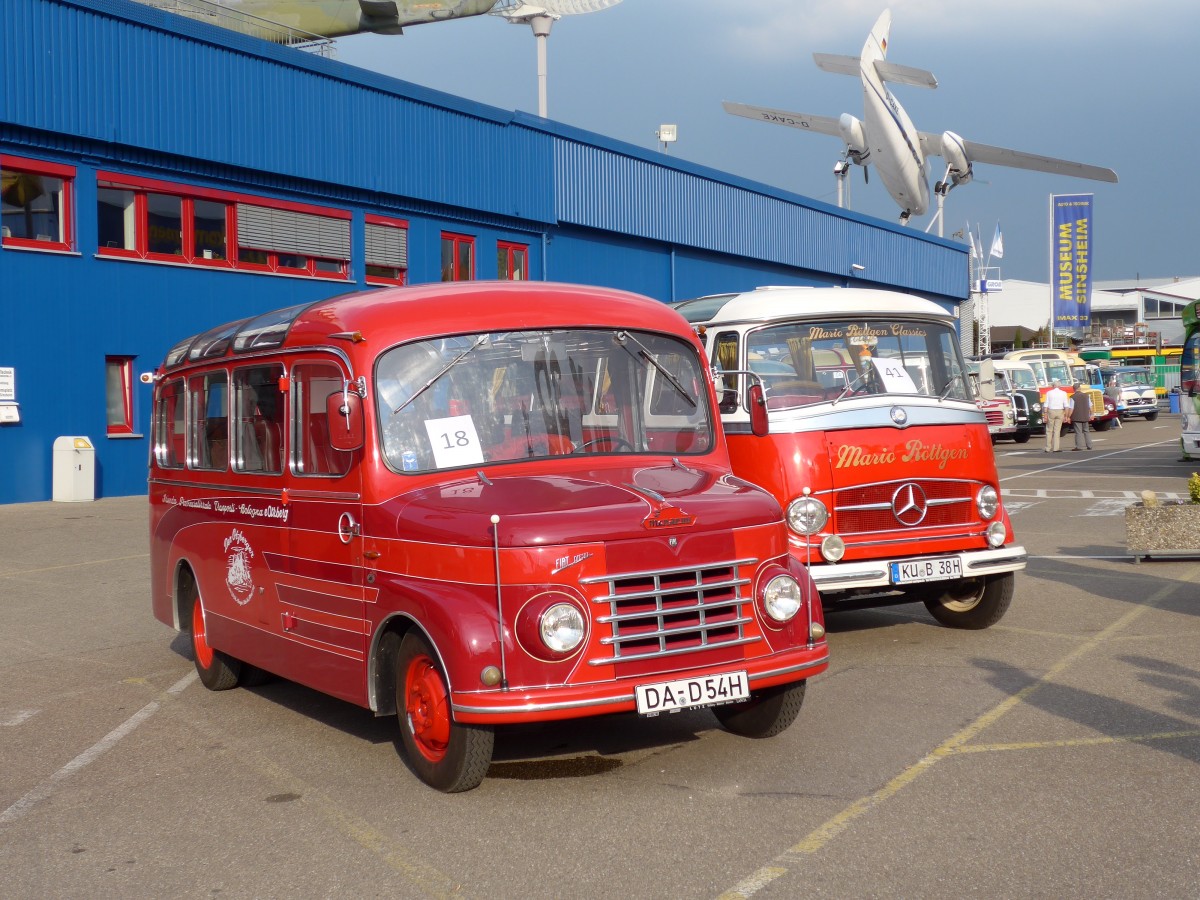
(949, 384)
(450, 365)
(622, 336)
(850, 385)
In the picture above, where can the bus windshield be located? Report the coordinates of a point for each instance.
(803, 363)
(519, 395)
(1020, 379)
(1136, 379)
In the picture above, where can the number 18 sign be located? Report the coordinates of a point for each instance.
(455, 441)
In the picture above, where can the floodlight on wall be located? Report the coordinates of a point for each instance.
(857, 268)
(667, 134)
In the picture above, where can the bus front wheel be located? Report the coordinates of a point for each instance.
(972, 603)
(445, 754)
(766, 713)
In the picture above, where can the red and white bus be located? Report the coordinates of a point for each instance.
(877, 450)
(472, 505)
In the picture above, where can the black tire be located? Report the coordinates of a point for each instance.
(973, 603)
(445, 754)
(218, 672)
(767, 713)
(253, 676)
(1151, 416)
(1102, 424)
(1021, 437)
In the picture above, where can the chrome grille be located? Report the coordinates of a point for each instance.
(868, 508)
(667, 612)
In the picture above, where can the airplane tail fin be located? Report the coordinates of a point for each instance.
(877, 41)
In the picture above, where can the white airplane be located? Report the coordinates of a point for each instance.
(887, 138)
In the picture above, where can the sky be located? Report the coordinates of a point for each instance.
(1106, 82)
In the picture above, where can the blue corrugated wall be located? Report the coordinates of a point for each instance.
(115, 85)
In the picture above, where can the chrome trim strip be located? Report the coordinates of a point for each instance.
(675, 610)
(701, 630)
(662, 654)
(941, 501)
(671, 592)
(852, 576)
(650, 573)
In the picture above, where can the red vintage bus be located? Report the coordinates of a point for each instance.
(878, 449)
(471, 505)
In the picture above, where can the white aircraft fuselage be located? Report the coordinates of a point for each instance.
(887, 139)
(890, 133)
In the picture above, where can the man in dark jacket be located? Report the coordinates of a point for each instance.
(1079, 413)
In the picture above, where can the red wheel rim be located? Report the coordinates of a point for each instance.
(204, 653)
(427, 708)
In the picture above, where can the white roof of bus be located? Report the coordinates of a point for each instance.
(768, 303)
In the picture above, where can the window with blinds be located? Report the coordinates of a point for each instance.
(387, 250)
(155, 221)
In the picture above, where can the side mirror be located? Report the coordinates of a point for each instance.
(344, 415)
(757, 402)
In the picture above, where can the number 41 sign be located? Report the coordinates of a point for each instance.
(894, 376)
(455, 441)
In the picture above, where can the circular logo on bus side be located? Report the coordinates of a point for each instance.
(238, 579)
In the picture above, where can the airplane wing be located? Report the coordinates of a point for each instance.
(838, 64)
(897, 74)
(1017, 159)
(821, 124)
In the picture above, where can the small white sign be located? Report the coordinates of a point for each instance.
(894, 376)
(8, 383)
(454, 441)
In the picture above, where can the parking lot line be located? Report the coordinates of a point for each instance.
(957, 744)
(88, 756)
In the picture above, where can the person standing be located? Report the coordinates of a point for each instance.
(1055, 404)
(1079, 415)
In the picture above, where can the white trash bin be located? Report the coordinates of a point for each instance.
(74, 469)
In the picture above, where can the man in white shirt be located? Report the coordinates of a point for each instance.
(1056, 403)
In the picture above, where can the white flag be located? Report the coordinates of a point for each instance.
(997, 244)
(974, 246)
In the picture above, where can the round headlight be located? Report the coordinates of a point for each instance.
(987, 501)
(561, 627)
(833, 548)
(1037, 407)
(782, 598)
(806, 515)
(996, 533)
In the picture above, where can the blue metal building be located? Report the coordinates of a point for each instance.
(161, 176)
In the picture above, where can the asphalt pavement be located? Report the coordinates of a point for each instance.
(1052, 755)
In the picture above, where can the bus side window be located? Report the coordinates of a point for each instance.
(258, 419)
(209, 445)
(312, 454)
(169, 425)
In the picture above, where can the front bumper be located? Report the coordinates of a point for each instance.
(874, 573)
(558, 702)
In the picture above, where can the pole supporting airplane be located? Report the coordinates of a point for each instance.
(886, 137)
